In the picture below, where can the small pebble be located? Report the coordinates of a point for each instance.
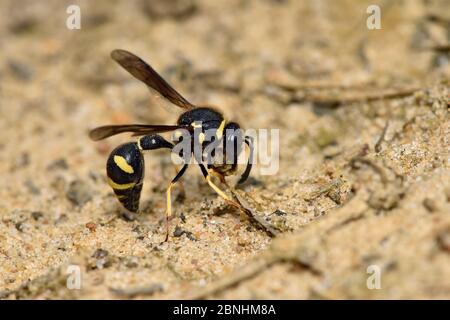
(443, 239)
(19, 226)
(93, 175)
(58, 164)
(20, 70)
(36, 215)
(22, 161)
(61, 219)
(102, 258)
(32, 188)
(279, 212)
(131, 262)
(128, 216)
(430, 205)
(447, 193)
(24, 25)
(79, 192)
(100, 254)
(179, 232)
(91, 226)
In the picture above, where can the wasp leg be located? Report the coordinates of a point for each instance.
(169, 200)
(207, 177)
(249, 142)
(220, 176)
(182, 194)
(152, 142)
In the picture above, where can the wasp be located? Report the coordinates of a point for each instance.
(125, 164)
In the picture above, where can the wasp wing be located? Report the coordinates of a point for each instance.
(137, 129)
(144, 72)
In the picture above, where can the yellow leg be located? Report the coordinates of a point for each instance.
(169, 198)
(216, 188)
(168, 209)
(223, 195)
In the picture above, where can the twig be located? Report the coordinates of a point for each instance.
(383, 94)
(255, 219)
(381, 139)
(377, 168)
(293, 84)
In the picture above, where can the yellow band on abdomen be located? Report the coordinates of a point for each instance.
(118, 186)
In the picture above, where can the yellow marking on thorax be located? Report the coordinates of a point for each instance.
(195, 125)
(118, 186)
(177, 134)
(201, 137)
(123, 164)
(219, 132)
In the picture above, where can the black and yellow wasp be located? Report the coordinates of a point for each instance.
(125, 165)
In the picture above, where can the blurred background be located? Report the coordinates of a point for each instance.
(363, 114)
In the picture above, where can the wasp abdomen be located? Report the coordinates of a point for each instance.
(125, 171)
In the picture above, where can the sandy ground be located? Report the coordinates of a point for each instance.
(364, 177)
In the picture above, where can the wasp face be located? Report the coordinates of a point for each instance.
(225, 155)
(233, 140)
